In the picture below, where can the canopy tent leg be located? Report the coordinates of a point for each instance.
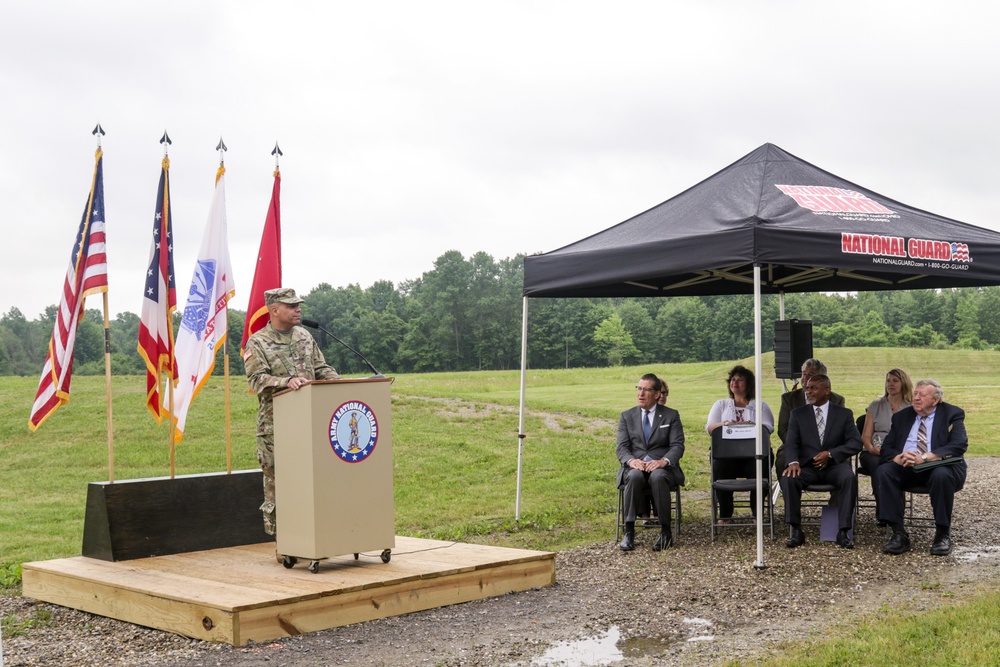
(520, 418)
(759, 564)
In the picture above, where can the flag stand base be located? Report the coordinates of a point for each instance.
(160, 516)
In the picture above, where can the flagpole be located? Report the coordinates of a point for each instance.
(99, 132)
(225, 374)
(107, 388)
(170, 326)
(221, 147)
(173, 431)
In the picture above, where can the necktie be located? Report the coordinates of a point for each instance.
(647, 423)
(922, 436)
(820, 423)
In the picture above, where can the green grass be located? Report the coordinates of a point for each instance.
(456, 457)
(455, 438)
(953, 634)
(11, 626)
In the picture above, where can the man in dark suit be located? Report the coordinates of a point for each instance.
(929, 430)
(650, 446)
(822, 438)
(796, 398)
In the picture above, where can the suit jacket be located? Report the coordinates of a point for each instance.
(948, 437)
(791, 400)
(840, 437)
(666, 441)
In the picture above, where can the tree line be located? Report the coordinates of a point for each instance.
(465, 314)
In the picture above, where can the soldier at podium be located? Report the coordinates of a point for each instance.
(280, 356)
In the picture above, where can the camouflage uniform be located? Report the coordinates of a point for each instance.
(272, 358)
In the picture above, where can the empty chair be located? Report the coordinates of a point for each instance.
(742, 450)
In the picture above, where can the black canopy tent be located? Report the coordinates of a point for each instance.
(768, 222)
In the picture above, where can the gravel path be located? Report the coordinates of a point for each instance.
(693, 605)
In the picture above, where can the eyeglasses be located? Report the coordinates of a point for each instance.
(645, 390)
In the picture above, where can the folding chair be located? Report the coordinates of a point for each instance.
(675, 511)
(865, 500)
(812, 507)
(739, 449)
(911, 519)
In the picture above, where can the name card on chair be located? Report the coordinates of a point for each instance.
(739, 431)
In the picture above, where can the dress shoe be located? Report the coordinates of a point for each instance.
(665, 541)
(899, 543)
(942, 545)
(628, 542)
(844, 540)
(795, 538)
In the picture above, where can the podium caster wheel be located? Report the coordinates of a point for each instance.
(314, 566)
(289, 561)
(357, 556)
(386, 556)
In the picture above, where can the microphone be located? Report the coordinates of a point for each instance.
(313, 324)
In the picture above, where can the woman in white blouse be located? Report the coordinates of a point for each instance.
(739, 408)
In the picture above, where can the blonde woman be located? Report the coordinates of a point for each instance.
(878, 417)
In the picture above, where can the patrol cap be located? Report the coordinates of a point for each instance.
(282, 295)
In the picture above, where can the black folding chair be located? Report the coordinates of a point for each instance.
(741, 449)
(675, 511)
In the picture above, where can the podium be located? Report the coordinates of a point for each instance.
(333, 470)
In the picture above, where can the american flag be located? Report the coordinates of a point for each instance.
(267, 274)
(87, 274)
(960, 252)
(159, 300)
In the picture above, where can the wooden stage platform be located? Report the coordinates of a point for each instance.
(238, 594)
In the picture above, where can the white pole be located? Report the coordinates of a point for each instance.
(520, 420)
(781, 316)
(759, 564)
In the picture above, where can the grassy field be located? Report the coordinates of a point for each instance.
(456, 445)
(455, 439)
(962, 634)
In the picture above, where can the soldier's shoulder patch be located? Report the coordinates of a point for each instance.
(247, 355)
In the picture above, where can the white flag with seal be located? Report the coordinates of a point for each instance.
(204, 324)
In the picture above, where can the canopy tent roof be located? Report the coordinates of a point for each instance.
(809, 230)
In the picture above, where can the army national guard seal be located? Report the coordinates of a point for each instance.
(353, 431)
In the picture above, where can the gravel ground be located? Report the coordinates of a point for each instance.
(694, 605)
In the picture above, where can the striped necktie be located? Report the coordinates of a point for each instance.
(922, 436)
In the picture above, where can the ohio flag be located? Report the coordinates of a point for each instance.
(159, 300)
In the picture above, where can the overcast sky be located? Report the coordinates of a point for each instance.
(413, 128)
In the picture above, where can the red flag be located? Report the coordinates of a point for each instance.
(159, 300)
(87, 274)
(267, 274)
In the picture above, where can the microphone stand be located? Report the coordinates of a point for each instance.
(313, 324)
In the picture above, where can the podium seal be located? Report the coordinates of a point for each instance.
(353, 431)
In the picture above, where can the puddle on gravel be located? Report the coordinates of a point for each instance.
(976, 553)
(590, 651)
(609, 648)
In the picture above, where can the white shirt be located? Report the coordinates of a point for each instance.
(725, 410)
(911, 439)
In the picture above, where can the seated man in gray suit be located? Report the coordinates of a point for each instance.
(822, 438)
(650, 446)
